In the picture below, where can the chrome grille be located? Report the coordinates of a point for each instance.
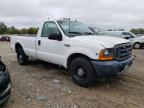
(123, 51)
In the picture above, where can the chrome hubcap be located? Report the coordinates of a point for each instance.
(20, 57)
(80, 72)
(137, 46)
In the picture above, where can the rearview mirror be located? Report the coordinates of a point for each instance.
(55, 36)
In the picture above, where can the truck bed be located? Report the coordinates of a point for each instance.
(27, 42)
(26, 35)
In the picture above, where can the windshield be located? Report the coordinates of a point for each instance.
(73, 28)
(133, 35)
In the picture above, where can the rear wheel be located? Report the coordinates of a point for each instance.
(22, 58)
(82, 71)
(137, 46)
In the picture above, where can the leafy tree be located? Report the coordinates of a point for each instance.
(23, 31)
(12, 30)
(32, 30)
(138, 31)
(3, 28)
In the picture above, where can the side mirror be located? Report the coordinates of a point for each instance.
(55, 36)
(127, 37)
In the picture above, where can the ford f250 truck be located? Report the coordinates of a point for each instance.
(74, 46)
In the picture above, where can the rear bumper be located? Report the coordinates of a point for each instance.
(111, 68)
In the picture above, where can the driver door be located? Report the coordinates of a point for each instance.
(47, 49)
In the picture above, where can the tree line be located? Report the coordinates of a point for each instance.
(12, 30)
(33, 30)
(138, 31)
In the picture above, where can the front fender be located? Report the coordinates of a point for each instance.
(89, 53)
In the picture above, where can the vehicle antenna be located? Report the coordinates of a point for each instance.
(69, 27)
(69, 12)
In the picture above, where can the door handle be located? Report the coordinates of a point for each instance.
(39, 42)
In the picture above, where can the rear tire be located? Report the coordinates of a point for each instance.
(137, 46)
(22, 58)
(82, 72)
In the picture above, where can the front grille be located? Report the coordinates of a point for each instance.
(123, 51)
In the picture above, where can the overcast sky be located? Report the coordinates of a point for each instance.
(113, 13)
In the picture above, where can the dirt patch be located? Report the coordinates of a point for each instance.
(44, 85)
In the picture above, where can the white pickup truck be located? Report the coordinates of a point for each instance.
(74, 46)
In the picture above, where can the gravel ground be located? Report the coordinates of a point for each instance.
(44, 85)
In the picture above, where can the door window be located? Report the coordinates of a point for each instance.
(127, 35)
(48, 28)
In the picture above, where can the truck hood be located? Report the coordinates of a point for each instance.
(105, 41)
(141, 37)
(138, 38)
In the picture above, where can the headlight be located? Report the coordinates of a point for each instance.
(107, 54)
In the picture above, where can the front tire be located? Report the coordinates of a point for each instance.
(82, 71)
(137, 46)
(21, 57)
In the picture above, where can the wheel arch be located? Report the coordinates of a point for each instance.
(74, 56)
(18, 46)
(136, 43)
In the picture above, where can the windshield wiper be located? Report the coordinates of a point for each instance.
(79, 33)
(75, 32)
(88, 33)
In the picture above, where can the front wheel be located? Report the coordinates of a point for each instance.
(21, 57)
(82, 71)
(137, 46)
